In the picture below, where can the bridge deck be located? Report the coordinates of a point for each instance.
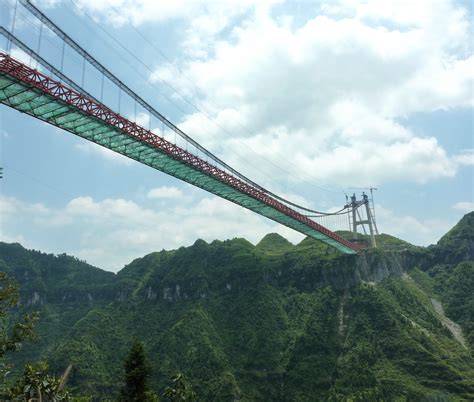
(34, 93)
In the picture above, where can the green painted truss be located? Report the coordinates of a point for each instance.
(27, 99)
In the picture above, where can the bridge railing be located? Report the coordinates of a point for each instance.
(60, 91)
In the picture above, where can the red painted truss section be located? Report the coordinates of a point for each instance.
(88, 106)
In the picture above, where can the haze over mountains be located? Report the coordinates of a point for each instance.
(274, 321)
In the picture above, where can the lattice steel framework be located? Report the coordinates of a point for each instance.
(38, 95)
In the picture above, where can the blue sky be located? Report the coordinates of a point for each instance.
(310, 98)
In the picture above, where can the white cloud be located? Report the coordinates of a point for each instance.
(48, 3)
(165, 193)
(418, 160)
(330, 93)
(20, 55)
(142, 119)
(323, 93)
(464, 206)
(412, 229)
(8, 207)
(466, 157)
(120, 12)
(111, 232)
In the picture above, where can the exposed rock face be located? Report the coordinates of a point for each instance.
(122, 295)
(167, 294)
(343, 272)
(177, 291)
(34, 299)
(453, 327)
(150, 293)
(365, 268)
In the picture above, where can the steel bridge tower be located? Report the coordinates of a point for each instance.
(359, 219)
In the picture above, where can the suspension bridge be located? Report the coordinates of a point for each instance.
(47, 92)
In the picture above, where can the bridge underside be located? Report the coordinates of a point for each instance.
(14, 92)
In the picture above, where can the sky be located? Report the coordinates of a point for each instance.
(311, 99)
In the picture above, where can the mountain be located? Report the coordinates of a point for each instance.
(274, 243)
(458, 244)
(274, 321)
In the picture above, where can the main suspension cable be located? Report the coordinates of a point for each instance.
(123, 87)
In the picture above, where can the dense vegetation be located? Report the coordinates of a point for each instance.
(267, 322)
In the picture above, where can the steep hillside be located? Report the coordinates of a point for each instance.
(61, 287)
(458, 244)
(268, 322)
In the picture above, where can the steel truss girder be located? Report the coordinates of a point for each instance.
(171, 158)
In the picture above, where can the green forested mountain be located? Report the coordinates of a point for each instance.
(271, 322)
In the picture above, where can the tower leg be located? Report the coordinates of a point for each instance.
(371, 226)
(354, 217)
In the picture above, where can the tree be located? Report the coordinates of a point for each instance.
(37, 384)
(137, 373)
(181, 391)
(12, 334)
